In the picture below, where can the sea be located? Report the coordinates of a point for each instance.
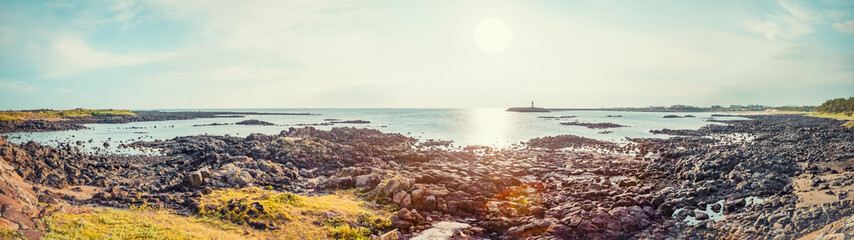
(491, 127)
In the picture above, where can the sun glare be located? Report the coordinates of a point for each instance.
(492, 36)
(490, 126)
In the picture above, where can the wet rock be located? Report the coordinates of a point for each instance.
(734, 205)
(700, 215)
(716, 207)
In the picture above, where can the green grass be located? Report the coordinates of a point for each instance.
(79, 112)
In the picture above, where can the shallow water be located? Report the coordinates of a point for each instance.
(717, 216)
(488, 127)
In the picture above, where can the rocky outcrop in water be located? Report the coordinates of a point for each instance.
(255, 122)
(593, 125)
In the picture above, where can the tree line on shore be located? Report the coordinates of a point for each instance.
(837, 105)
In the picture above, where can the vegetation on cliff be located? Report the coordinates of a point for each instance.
(47, 113)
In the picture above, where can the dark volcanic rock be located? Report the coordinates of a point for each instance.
(678, 132)
(254, 122)
(593, 125)
(565, 141)
(351, 122)
(717, 161)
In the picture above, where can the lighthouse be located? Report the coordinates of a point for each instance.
(527, 109)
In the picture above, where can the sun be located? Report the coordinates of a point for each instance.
(492, 36)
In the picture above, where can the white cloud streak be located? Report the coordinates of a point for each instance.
(845, 27)
(794, 22)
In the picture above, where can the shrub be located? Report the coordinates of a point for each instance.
(347, 233)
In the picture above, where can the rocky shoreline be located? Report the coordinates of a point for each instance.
(765, 178)
(76, 123)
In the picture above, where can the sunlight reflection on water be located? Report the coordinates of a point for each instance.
(489, 125)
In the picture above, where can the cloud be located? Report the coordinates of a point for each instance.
(795, 11)
(794, 22)
(68, 55)
(16, 87)
(125, 13)
(845, 27)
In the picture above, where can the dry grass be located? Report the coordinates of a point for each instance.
(79, 112)
(298, 217)
(139, 223)
(839, 116)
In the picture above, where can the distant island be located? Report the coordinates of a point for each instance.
(675, 108)
(527, 109)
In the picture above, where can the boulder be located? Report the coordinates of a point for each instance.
(716, 207)
(407, 201)
(194, 179)
(417, 195)
(341, 182)
(400, 224)
(406, 215)
(392, 186)
(238, 177)
(367, 181)
(430, 203)
(398, 197)
(700, 215)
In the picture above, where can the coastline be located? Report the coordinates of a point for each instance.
(75, 123)
(569, 191)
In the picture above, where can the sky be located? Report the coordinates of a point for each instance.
(159, 54)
